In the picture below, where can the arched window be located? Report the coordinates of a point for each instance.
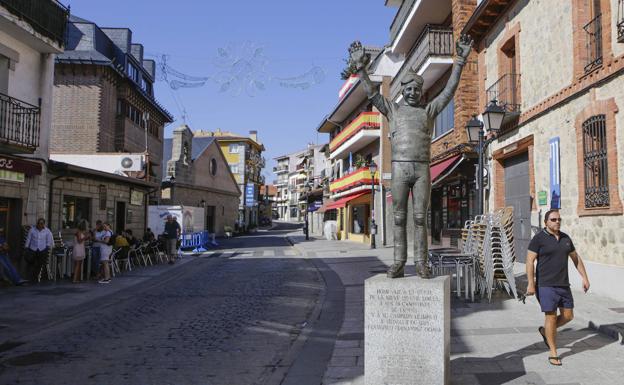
(595, 162)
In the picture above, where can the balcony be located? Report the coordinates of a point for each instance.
(412, 17)
(506, 90)
(358, 178)
(360, 132)
(19, 124)
(594, 44)
(47, 17)
(280, 168)
(431, 56)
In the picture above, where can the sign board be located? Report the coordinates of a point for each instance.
(20, 166)
(315, 206)
(555, 174)
(250, 194)
(542, 198)
(386, 176)
(136, 197)
(12, 176)
(191, 219)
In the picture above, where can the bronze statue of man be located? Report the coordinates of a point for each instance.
(411, 124)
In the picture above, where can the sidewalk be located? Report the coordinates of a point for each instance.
(491, 343)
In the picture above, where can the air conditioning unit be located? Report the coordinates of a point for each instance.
(131, 162)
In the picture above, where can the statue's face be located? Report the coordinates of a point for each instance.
(412, 94)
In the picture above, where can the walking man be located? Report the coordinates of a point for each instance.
(551, 248)
(172, 234)
(39, 242)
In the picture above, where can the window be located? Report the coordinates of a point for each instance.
(102, 197)
(595, 162)
(213, 166)
(620, 21)
(4, 74)
(120, 107)
(75, 209)
(233, 148)
(133, 72)
(234, 168)
(445, 121)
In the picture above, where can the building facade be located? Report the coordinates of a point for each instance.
(561, 143)
(32, 32)
(104, 97)
(244, 156)
(198, 175)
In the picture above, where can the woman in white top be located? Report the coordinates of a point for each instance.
(78, 254)
(102, 237)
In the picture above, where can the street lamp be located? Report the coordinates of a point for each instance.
(372, 167)
(493, 118)
(308, 189)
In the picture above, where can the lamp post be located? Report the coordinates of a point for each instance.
(306, 228)
(492, 121)
(372, 167)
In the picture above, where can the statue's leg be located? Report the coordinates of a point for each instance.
(401, 184)
(420, 201)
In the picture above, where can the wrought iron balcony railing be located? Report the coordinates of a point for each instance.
(506, 91)
(594, 43)
(20, 123)
(48, 17)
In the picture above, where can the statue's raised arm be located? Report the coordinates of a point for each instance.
(360, 58)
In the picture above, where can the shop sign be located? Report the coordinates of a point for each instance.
(250, 194)
(542, 198)
(20, 166)
(555, 174)
(12, 176)
(136, 197)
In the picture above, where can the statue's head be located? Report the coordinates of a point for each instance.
(412, 85)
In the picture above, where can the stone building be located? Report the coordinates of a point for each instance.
(198, 175)
(244, 156)
(32, 32)
(558, 68)
(104, 97)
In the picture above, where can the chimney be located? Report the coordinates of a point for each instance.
(253, 135)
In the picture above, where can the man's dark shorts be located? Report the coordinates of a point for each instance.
(552, 297)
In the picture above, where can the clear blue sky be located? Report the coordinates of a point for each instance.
(295, 37)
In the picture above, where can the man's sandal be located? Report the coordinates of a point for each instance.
(541, 331)
(558, 361)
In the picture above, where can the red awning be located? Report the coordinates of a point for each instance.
(439, 168)
(343, 201)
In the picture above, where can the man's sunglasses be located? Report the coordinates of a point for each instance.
(555, 219)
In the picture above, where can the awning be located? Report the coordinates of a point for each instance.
(343, 201)
(439, 168)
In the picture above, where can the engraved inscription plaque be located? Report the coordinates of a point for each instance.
(407, 331)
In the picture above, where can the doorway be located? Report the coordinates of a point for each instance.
(120, 216)
(518, 195)
(210, 219)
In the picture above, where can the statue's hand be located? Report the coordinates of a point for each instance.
(463, 45)
(358, 55)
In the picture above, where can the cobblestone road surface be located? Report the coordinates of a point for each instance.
(228, 319)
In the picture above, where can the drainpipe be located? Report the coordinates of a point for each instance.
(63, 173)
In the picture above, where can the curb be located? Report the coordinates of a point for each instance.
(296, 246)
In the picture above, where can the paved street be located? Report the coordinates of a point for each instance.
(226, 319)
(258, 311)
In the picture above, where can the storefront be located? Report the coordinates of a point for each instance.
(80, 194)
(23, 193)
(352, 215)
(453, 201)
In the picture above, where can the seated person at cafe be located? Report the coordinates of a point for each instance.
(149, 235)
(132, 240)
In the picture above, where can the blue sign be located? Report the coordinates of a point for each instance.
(314, 206)
(555, 174)
(250, 194)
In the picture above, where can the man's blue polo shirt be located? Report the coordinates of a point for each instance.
(552, 258)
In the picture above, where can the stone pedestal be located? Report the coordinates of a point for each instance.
(407, 331)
